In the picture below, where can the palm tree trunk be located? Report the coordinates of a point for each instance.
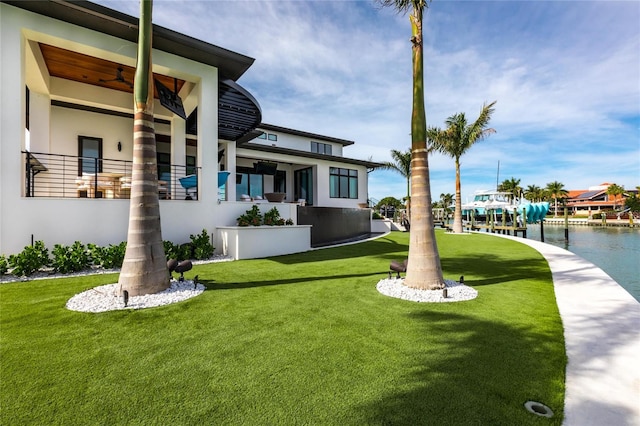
(424, 270)
(144, 270)
(457, 214)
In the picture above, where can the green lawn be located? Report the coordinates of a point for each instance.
(292, 340)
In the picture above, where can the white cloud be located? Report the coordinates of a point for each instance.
(566, 76)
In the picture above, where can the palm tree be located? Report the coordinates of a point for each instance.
(533, 193)
(615, 190)
(424, 270)
(556, 190)
(144, 270)
(455, 140)
(401, 164)
(512, 186)
(446, 200)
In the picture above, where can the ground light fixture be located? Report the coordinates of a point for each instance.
(538, 409)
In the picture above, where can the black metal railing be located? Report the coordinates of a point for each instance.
(69, 176)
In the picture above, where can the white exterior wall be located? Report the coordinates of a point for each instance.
(290, 163)
(12, 124)
(56, 130)
(67, 124)
(300, 143)
(253, 242)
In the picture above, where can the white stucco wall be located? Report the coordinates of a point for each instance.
(253, 242)
(321, 197)
(56, 130)
(300, 143)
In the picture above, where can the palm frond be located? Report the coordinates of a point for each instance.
(403, 6)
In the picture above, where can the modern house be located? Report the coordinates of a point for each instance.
(66, 139)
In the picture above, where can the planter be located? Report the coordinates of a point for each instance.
(381, 225)
(275, 197)
(250, 242)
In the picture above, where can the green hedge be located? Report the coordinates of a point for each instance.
(77, 257)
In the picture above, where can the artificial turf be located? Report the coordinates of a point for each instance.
(297, 339)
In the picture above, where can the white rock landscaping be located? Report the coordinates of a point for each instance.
(106, 298)
(456, 292)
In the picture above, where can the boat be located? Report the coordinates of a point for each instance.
(497, 202)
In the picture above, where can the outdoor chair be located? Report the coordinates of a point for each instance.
(189, 183)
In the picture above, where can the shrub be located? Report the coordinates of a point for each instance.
(178, 251)
(108, 257)
(72, 258)
(201, 246)
(272, 217)
(376, 215)
(251, 217)
(114, 255)
(171, 251)
(4, 266)
(30, 260)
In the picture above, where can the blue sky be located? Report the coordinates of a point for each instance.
(565, 75)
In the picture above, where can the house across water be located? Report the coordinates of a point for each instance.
(595, 200)
(66, 138)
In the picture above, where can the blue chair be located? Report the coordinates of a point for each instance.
(189, 182)
(222, 178)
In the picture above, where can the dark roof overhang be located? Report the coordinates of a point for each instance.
(108, 21)
(307, 154)
(343, 142)
(238, 113)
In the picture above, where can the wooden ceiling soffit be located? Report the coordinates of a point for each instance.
(86, 69)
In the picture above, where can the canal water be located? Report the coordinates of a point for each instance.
(615, 250)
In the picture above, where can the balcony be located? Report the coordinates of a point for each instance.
(68, 176)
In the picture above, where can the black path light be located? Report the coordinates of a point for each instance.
(183, 267)
(171, 265)
(398, 267)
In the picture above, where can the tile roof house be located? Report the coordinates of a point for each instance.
(594, 200)
(66, 138)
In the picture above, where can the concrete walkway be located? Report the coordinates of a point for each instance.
(601, 323)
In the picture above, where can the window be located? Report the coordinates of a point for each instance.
(190, 161)
(343, 183)
(163, 163)
(27, 135)
(268, 136)
(280, 181)
(321, 148)
(303, 185)
(90, 155)
(163, 157)
(27, 95)
(248, 183)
